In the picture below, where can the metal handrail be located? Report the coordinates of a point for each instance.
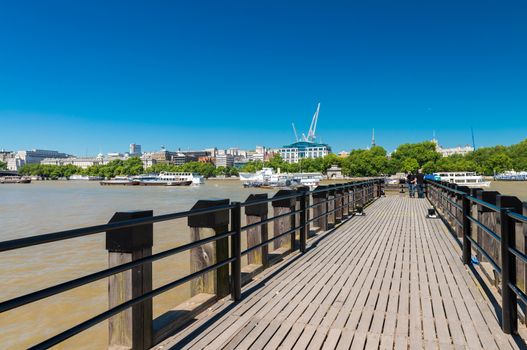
(63, 287)
(234, 257)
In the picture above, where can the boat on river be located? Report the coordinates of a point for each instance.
(511, 176)
(463, 178)
(120, 181)
(267, 178)
(85, 177)
(165, 179)
(14, 180)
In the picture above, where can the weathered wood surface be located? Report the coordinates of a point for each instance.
(390, 279)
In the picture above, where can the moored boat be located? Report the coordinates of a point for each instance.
(14, 180)
(465, 178)
(511, 176)
(85, 177)
(120, 181)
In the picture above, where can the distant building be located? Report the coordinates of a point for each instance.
(34, 156)
(334, 172)
(303, 149)
(135, 150)
(83, 162)
(343, 154)
(212, 151)
(5, 155)
(225, 160)
(445, 152)
(184, 157)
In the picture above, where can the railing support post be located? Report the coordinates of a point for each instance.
(132, 328)
(509, 301)
(236, 249)
(207, 225)
(320, 198)
(255, 235)
(303, 220)
(508, 276)
(467, 248)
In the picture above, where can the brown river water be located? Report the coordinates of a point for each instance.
(42, 207)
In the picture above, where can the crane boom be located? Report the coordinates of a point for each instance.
(313, 136)
(294, 130)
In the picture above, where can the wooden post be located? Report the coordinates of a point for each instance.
(508, 262)
(320, 198)
(286, 223)
(298, 221)
(330, 206)
(339, 202)
(203, 226)
(475, 229)
(524, 245)
(489, 218)
(349, 199)
(257, 234)
(345, 201)
(132, 328)
(467, 247)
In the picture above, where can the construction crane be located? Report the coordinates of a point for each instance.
(312, 129)
(294, 130)
(311, 134)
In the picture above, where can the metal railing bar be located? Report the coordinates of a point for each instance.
(518, 254)
(453, 216)
(115, 310)
(518, 292)
(489, 258)
(85, 231)
(59, 288)
(485, 228)
(518, 217)
(483, 203)
(270, 240)
(246, 227)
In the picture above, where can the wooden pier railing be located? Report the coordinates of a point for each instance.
(215, 255)
(495, 226)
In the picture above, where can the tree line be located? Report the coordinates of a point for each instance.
(408, 157)
(130, 166)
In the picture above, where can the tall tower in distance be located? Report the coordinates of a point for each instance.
(372, 137)
(135, 150)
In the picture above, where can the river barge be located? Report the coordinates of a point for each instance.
(14, 180)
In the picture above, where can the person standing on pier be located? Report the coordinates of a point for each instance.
(420, 180)
(411, 181)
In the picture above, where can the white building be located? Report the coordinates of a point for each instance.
(83, 162)
(303, 149)
(225, 160)
(35, 156)
(445, 152)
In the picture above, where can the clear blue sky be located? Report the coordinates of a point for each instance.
(79, 76)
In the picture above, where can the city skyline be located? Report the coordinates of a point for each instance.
(197, 75)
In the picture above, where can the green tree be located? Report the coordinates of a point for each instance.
(422, 152)
(3, 165)
(410, 165)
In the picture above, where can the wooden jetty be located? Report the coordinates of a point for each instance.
(339, 267)
(389, 279)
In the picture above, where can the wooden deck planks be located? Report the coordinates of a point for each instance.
(390, 279)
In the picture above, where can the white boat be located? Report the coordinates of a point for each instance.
(196, 178)
(268, 178)
(511, 176)
(120, 180)
(85, 177)
(463, 178)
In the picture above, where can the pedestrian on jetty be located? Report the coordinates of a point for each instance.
(420, 180)
(411, 181)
